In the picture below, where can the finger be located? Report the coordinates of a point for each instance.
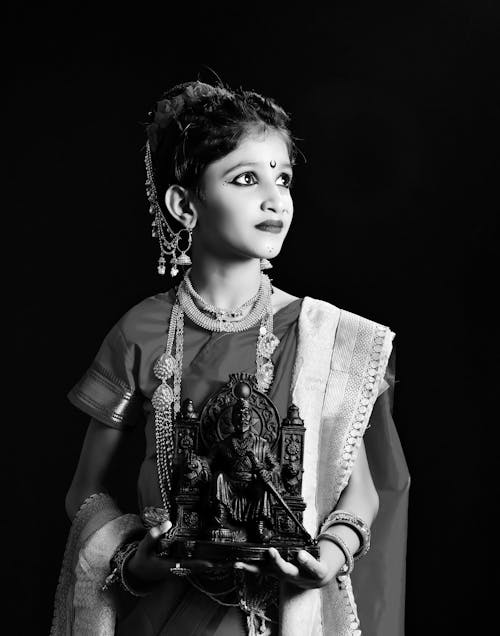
(282, 567)
(311, 567)
(149, 543)
(157, 531)
(247, 567)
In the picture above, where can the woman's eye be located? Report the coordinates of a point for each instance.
(245, 179)
(287, 180)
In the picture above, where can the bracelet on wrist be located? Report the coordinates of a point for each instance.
(118, 561)
(348, 566)
(354, 522)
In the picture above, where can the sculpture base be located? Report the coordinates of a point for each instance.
(231, 551)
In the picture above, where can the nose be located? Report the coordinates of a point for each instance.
(271, 200)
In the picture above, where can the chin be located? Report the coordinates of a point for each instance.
(262, 250)
(270, 253)
(270, 250)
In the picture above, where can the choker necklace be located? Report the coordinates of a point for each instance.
(168, 367)
(260, 307)
(220, 314)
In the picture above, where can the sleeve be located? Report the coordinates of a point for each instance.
(108, 391)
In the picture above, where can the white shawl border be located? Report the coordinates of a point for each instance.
(359, 361)
(335, 399)
(80, 607)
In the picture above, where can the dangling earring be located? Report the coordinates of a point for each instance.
(265, 264)
(182, 258)
(168, 246)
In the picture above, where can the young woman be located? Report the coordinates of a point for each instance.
(219, 166)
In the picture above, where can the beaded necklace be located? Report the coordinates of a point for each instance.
(220, 314)
(220, 322)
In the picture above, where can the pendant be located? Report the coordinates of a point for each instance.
(162, 397)
(165, 366)
(264, 376)
(267, 345)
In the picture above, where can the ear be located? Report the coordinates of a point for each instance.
(178, 203)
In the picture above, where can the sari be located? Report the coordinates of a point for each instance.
(323, 362)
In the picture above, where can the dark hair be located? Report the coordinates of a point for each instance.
(195, 124)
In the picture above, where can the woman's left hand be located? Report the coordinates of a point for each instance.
(307, 573)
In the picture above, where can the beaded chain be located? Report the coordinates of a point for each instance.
(159, 224)
(164, 397)
(220, 324)
(266, 345)
(212, 309)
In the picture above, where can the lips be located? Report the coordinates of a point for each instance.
(270, 226)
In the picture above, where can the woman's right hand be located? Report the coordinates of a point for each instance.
(147, 567)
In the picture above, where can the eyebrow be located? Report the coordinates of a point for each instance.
(241, 164)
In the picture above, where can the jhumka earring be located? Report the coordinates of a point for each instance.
(171, 248)
(265, 264)
(167, 238)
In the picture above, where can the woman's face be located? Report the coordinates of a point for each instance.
(242, 191)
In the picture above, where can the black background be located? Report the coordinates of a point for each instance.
(394, 104)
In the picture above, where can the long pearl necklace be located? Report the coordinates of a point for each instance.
(168, 367)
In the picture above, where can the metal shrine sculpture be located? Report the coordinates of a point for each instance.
(237, 478)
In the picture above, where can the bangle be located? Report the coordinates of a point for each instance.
(120, 557)
(126, 586)
(116, 563)
(355, 523)
(348, 566)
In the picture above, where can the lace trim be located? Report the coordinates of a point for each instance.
(89, 507)
(372, 377)
(345, 587)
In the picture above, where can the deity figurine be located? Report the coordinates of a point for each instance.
(242, 464)
(241, 469)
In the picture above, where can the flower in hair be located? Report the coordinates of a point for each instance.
(169, 109)
(194, 92)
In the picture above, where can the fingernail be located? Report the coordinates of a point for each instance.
(154, 532)
(238, 565)
(273, 552)
(303, 556)
(165, 526)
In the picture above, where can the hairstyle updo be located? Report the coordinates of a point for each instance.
(195, 124)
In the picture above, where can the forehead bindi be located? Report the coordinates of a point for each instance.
(263, 153)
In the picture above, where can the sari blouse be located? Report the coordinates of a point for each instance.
(120, 382)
